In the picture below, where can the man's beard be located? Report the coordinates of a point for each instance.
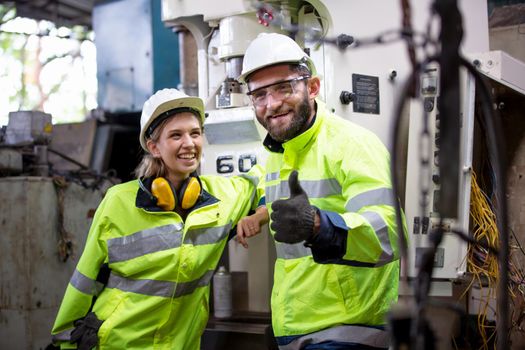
(298, 123)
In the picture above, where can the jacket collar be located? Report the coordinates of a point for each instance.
(147, 202)
(300, 140)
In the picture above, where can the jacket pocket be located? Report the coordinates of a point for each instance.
(346, 276)
(107, 308)
(316, 295)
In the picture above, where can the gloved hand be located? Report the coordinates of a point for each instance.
(85, 332)
(293, 218)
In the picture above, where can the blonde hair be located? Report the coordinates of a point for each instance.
(150, 166)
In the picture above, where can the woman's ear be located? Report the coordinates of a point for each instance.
(153, 149)
(314, 87)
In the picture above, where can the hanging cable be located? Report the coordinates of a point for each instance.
(496, 150)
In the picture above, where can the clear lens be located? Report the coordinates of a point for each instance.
(279, 91)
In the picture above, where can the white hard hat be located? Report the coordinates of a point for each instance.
(161, 103)
(269, 49)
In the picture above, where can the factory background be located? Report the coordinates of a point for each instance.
(57, 162)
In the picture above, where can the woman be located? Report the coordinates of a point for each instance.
(143, 279)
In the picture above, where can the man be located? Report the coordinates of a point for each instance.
(329, 193)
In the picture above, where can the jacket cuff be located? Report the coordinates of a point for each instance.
(329, 246)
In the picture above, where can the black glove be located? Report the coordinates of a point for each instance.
(293, 218)
(85, 332)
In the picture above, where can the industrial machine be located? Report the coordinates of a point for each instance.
(45, 213)
(423, 176)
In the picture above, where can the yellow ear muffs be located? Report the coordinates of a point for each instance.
(161, 189)
(190, 193)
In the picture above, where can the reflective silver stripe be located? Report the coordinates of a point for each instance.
(272, 193)
(253, 179)
(189, 287)
(272, 176)
(379, 196)
(147, 287)
(349, 334)
(313, 188)
(144, 242)
(292, 251)
(207, 235)
(321, 188)
(85, 284)
(62, 336)
(158, 288)
(381, 229)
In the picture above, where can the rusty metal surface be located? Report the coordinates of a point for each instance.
(32, 276)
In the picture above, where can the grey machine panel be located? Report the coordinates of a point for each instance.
(33, 275)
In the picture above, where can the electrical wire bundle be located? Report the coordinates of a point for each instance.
(483, 266)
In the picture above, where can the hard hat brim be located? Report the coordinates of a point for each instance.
(243, 78)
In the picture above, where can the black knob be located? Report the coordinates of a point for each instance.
(346, 97)
(428, 104)
(343, 41)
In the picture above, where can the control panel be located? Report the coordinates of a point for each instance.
(423, 179)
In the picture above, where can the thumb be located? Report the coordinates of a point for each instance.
(295, 186)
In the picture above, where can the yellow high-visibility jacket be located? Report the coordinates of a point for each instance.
(160, 267)
(345, 171)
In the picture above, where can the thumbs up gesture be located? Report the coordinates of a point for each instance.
(293, 218)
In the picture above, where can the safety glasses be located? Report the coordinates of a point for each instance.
(279, 91)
